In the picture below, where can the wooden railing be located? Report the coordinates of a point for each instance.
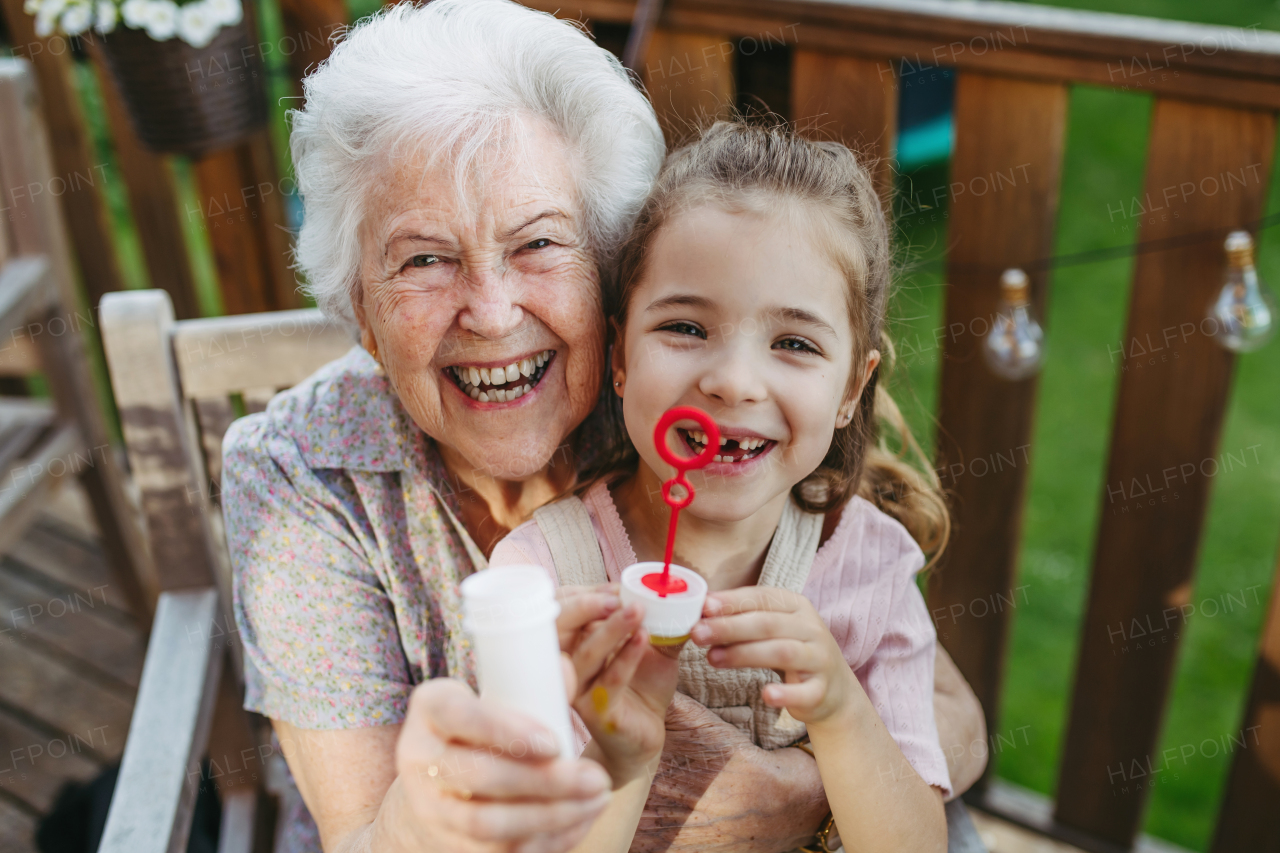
(1216, 90)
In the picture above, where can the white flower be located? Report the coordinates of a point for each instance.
(196, 24)
(162, 19)
(134, 13)
(226, 12)
(47, 17)
(106, 16)
(77, 19)
(31, 6)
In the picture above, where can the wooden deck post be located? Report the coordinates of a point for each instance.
(1003, 208)
(1167, 423)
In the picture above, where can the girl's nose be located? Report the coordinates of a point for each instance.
(732, 380)
(491, 310)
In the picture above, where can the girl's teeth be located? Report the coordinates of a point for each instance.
(723, 441)
(483, 397)
(526, 367)
(474, 392)
(484, 376)
(475, 376)
(513, 373)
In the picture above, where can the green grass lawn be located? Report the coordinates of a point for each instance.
(1085, 322)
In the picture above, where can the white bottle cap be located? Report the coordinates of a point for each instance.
(670, 617)
(509, 598)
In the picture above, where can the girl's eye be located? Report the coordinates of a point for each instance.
(795, 345)
(424, 260)
(683, 327)
(540, 243)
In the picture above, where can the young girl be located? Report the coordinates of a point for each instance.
(754, 287)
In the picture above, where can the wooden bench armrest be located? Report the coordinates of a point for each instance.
(160, 773)
(26, 283)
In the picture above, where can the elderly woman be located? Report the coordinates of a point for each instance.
(467, 168)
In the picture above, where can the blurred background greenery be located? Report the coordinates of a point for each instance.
(1085, 325)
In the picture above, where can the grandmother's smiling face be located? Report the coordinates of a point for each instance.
(482, 299)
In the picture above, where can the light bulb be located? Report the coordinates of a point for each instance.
(1245, 310)
(1015, 346)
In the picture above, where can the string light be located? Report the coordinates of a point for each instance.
(1245, 310)
(1014, 348)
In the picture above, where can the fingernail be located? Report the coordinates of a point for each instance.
(612, 603)
(700, 633)
(715, 656)
(712, 605)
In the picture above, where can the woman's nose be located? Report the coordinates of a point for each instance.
(733, 379)
(491, 309)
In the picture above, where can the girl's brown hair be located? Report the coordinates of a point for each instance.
(748, 166)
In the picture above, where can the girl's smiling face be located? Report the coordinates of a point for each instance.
(743, 314)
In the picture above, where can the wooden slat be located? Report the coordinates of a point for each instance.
(240, 200)
(153, 199)
(63, 698)
(17, 829)
(213, 417)
(35, 764)
(76, 622)
(311, 24)
(1015, 130)
(1220, 64)
(689, 77)
(219, 356)
(60, 563)
(1169, 414)
(850, 99)
(77, 174)
(136, 327)
(256, 399)
(156, 790)
(1248, 820)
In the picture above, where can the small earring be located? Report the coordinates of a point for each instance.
(617, 383)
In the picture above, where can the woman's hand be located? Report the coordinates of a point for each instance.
(717, 792)
(623, 684)
(777, 629)
(476, 778)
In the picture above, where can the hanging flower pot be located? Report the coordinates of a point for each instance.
(190, 75)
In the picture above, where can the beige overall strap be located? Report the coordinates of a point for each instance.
(566, 526)
(795, 544)
(734, 694)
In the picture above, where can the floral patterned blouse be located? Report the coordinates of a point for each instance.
(347, 553)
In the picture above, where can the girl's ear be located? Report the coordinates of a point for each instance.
(617, 356)
(850, 405)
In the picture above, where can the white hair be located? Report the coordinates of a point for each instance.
(460, 76)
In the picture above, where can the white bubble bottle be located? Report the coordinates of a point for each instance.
(510, 613)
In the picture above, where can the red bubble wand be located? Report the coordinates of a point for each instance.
(663, 584)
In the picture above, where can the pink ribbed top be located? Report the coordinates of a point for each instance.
(863, 586)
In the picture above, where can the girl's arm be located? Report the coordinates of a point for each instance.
(879, 802)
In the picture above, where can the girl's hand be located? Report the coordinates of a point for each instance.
(624, 684)
(780, 630)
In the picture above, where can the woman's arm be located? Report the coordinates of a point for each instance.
(717, 791)
(445, 779)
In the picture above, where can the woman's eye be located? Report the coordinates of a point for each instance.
(540, 243)
(682, 327)
(795, 345)
(424, 260)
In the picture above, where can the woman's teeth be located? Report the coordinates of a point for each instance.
(499, 384)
